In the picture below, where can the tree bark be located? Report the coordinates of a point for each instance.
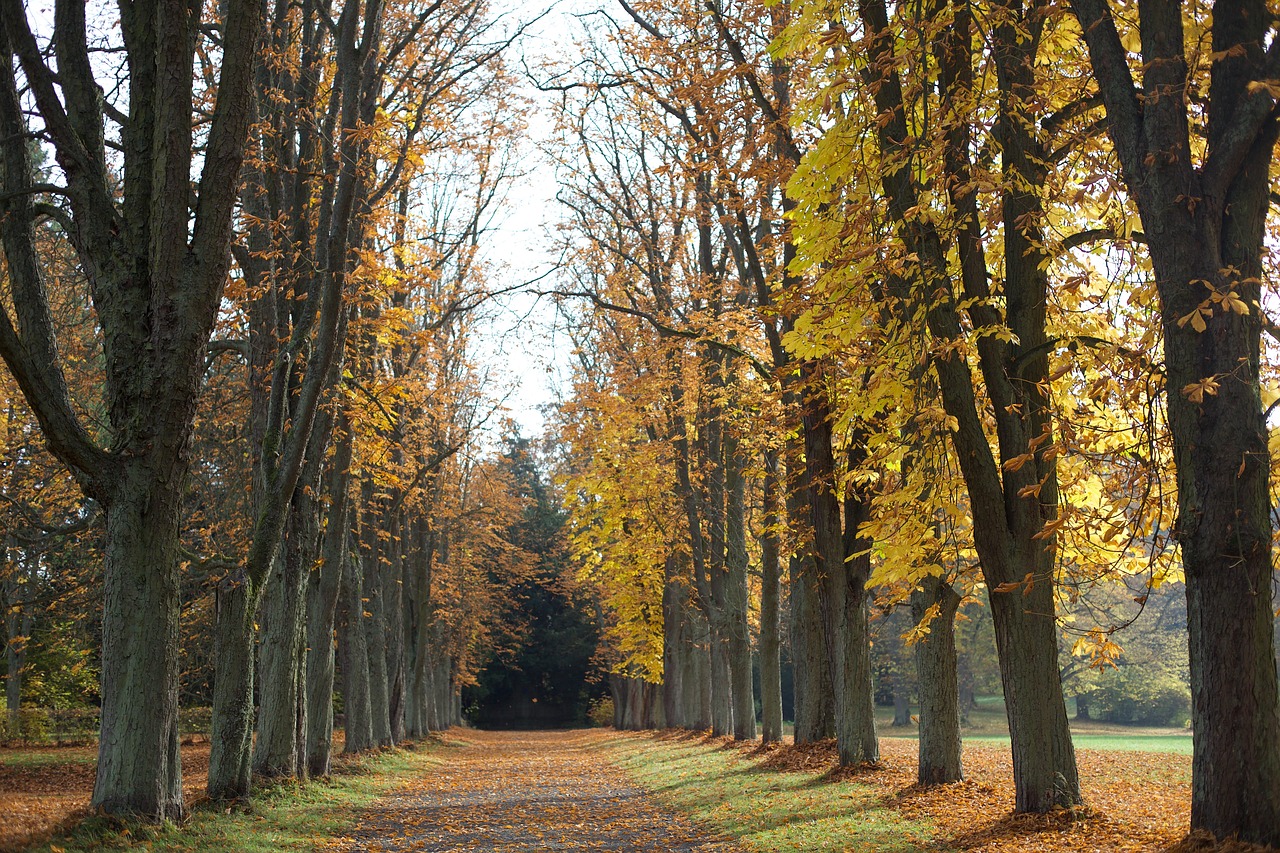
(139, 770)
(322, 600)
(156, 266)
(392, 599)
(673, 642)
(770, 593)
(353, 648)
(843, 578)
(737, 600)
(940, 760)
(374, 625)
(282, 650)
(1204, 228)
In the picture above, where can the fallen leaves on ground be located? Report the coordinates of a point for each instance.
(1133, 800)
(514, 791)
(45, 790)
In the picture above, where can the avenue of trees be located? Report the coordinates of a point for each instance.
(953, 307)
(894, 324)
(245, 428)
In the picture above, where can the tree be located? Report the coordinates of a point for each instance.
(156, 254)
(1204, 207)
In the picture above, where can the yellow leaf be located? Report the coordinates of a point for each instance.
(1195, 391)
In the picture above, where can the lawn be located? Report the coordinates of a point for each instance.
(41, 795)
(766, 810)
(987, 724)
(790, 799)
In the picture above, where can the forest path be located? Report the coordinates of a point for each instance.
(513, 791)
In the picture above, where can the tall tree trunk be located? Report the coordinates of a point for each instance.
(843, 598)
(673, 640)
(770, 593)
(1205, 227)
(392, 595)
(737, 600)
(139, 770)
(322, 600)
(814, 708)
(375, 629)
(282, 651)
(939, 686)
(1011, 506)
(231, 734)
(353, 647)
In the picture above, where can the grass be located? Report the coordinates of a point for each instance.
(1174, 744)
(286, 816)
(767, 810)
(987, 724)
(48, 756)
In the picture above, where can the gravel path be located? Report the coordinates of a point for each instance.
(511, 791)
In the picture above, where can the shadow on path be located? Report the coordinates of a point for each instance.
(516, 791)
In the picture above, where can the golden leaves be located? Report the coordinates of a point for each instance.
(1196, 391)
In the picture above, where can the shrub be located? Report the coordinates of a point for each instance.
(29, 726)
(600, 712)
(1146, 695)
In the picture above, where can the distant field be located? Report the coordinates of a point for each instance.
(987, 724)
(1176, 744)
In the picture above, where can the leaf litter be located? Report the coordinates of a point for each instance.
(516, 791)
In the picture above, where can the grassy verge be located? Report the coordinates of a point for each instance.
(1174, 744)
(285, 816)
(767, 810)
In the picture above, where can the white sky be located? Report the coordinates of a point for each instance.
(522, 343)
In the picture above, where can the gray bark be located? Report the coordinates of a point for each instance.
(392, 599)
(139, 770)
(737, 600)
(940, 760)
(156, 267)
(1205, 223)
(322, 599)
(354, 652)
(673, 645)
(1008, 525)
(770, 593)
(375, 630)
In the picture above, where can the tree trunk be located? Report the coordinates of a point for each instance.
(322, 601)
(374, 625)
(902, 718)
(673, 640)
(152, 240)
(737, 600)
(282, 712)
(416, 655)
(1204, 228)
(392, 596)
(693, 674)
(939, 686)
(139, 770)
(814, 709)
(353, 648)
(770, 593)
(231, 736)
(843, 597)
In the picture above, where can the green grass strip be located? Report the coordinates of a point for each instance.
(763, 809)
(281, 816)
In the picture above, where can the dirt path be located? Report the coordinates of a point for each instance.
(513, 791)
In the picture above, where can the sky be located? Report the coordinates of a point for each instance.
(523, 340)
